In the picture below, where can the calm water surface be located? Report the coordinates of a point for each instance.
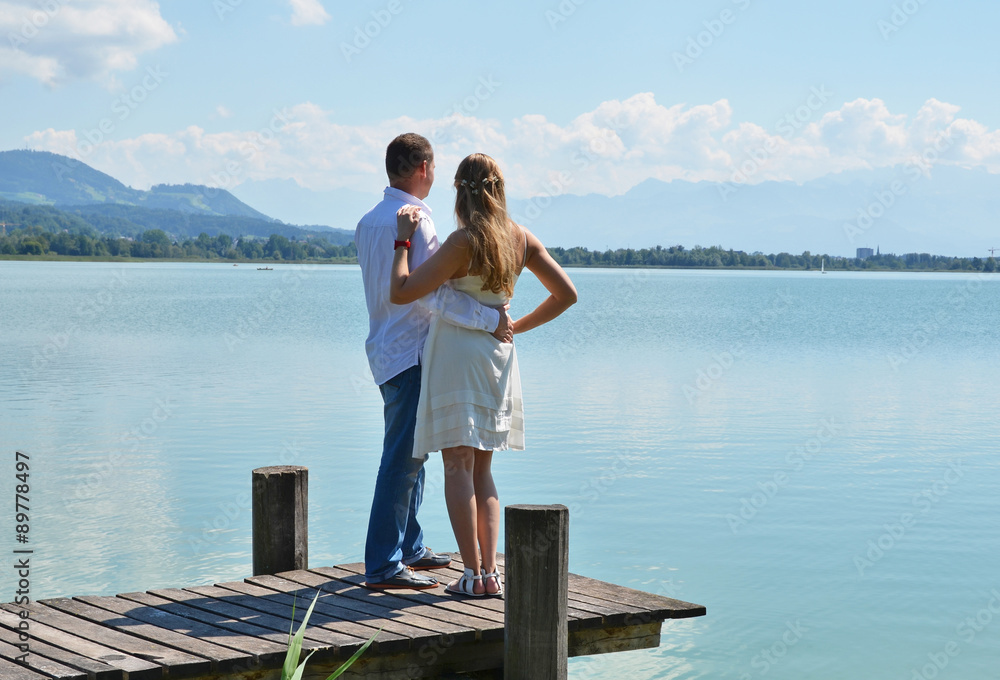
(812, 457)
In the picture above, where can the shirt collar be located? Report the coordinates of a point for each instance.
(401, 195)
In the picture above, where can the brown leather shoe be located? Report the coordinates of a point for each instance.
(404, 579)
(430, 560)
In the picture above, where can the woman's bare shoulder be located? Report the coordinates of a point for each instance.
(532, 241)
(458, 239)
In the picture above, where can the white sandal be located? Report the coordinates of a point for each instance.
(465, 585)
(496, 575)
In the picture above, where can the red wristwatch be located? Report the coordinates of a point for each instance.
(405, 244)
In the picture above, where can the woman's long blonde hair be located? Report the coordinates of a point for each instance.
(481, 211)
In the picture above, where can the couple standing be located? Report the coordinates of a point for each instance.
(441, 350)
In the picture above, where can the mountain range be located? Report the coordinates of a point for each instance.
(947, 211)
(950, 211)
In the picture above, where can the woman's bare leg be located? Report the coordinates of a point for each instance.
(460, 497)
(487, 514)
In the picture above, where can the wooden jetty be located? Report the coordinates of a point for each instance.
(239, 630)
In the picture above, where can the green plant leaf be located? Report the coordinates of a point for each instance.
(291, 670)
(354, 657)
(297, 675)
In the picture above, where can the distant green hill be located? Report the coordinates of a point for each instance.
(46, 178)
(195, 198)
(130, 220)
(38, 188)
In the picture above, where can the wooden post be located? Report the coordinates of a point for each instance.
(536, 592)
(280, 519)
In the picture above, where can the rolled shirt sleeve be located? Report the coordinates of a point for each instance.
(451, 305)
(460, 309)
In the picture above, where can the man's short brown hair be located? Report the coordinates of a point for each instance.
(405, 154)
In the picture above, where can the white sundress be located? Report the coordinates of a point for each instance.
(470, 387)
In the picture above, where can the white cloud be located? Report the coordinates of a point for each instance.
(308, 13)
(608, 150)
(59, 40)
(864, 129)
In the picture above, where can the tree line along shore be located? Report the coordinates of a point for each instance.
(35, 243)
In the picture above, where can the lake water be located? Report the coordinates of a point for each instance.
(812, 457)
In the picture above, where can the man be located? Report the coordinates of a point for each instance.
(395, 548)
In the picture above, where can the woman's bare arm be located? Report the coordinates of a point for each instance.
(562, 292)
(408, 287)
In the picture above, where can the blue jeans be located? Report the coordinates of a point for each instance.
(394, 534)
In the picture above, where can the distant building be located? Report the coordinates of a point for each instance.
(865, 253)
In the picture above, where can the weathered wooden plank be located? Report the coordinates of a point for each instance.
(127, 665)
(152, 623)
(264, 644)
(607, 613)
(655, 605)
(332, 588)
(263, 599)
(329, 605)
(640, 599)
(326, 641)
(423, 603)
(597, 614)
(94, 670)
(10, 670)
(597, 605)
(159, 632)
(181, 664)
(619, 639)
(39, 664)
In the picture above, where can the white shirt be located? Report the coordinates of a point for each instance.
(396, 333)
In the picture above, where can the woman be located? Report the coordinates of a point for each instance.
(470, 392)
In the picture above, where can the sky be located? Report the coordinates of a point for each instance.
(571, 96)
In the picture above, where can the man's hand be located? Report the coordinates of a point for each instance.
(407, 220)
(505, 329)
